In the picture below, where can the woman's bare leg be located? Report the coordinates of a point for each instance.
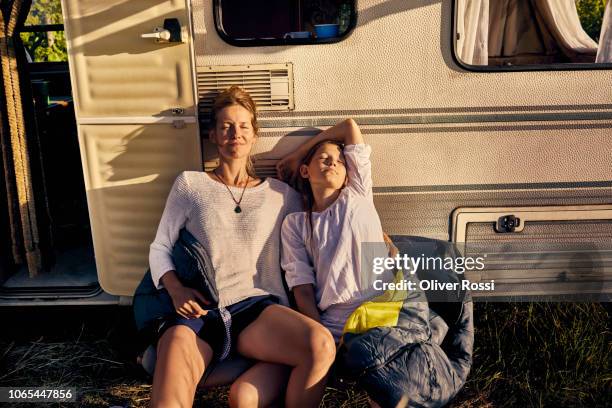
(282, 335)
(181, 359)
(262, 385)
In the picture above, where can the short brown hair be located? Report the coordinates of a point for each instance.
(234, 95)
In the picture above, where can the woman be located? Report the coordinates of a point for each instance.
(237, 217)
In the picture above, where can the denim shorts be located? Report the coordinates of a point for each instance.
(220, 327)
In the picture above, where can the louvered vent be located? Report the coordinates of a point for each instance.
(270, 85)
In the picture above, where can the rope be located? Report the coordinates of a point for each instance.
(11, 191)
(23, 176)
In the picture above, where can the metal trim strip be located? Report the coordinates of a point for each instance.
(489, 187)
(440, 119)
(441, 110)
(312, 131)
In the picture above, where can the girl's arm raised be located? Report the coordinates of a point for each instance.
(346, 132)
(305, 300)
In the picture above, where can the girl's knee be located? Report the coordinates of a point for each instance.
(242, 394)
(322, 347)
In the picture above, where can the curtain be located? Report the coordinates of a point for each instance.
(604, 52)
(537, 32)
(16, 152)
(561, 18)
(513, 30)
(472, 31)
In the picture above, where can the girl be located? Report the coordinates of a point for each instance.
(328, 253)
(326, 265)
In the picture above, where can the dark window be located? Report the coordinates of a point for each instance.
(283, 22)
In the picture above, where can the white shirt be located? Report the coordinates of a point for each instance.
(244, 248)
(337, 262)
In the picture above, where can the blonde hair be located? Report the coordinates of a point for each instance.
(235, 95)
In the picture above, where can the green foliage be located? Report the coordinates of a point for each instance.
(49, 46)
(591, 15)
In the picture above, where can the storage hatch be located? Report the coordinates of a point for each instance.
(562, 251)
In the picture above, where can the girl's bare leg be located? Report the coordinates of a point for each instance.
(262, 385)
(181, 359)
(282, 335)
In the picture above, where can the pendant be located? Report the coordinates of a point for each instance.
(237, 210)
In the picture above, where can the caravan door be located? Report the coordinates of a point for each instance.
(136, 118)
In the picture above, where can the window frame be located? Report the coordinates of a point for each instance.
(261, 42)
(570, 66)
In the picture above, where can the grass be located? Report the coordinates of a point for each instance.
(527, 355)
(540, 354)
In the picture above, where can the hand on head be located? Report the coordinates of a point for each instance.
(287, 168)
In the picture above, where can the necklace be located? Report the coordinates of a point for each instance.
(237, 209)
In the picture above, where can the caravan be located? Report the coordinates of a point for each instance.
(490, 123)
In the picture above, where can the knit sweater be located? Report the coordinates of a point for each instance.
(244, 247)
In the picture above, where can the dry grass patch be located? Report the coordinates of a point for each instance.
(528, 355)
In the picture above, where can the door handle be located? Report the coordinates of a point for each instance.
(169, 33)
(161, 35)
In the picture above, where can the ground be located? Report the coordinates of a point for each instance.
(527, 354)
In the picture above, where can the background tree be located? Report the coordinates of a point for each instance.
(45, 46)
(591, 15)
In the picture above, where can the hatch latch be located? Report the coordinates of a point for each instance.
(507, 223)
